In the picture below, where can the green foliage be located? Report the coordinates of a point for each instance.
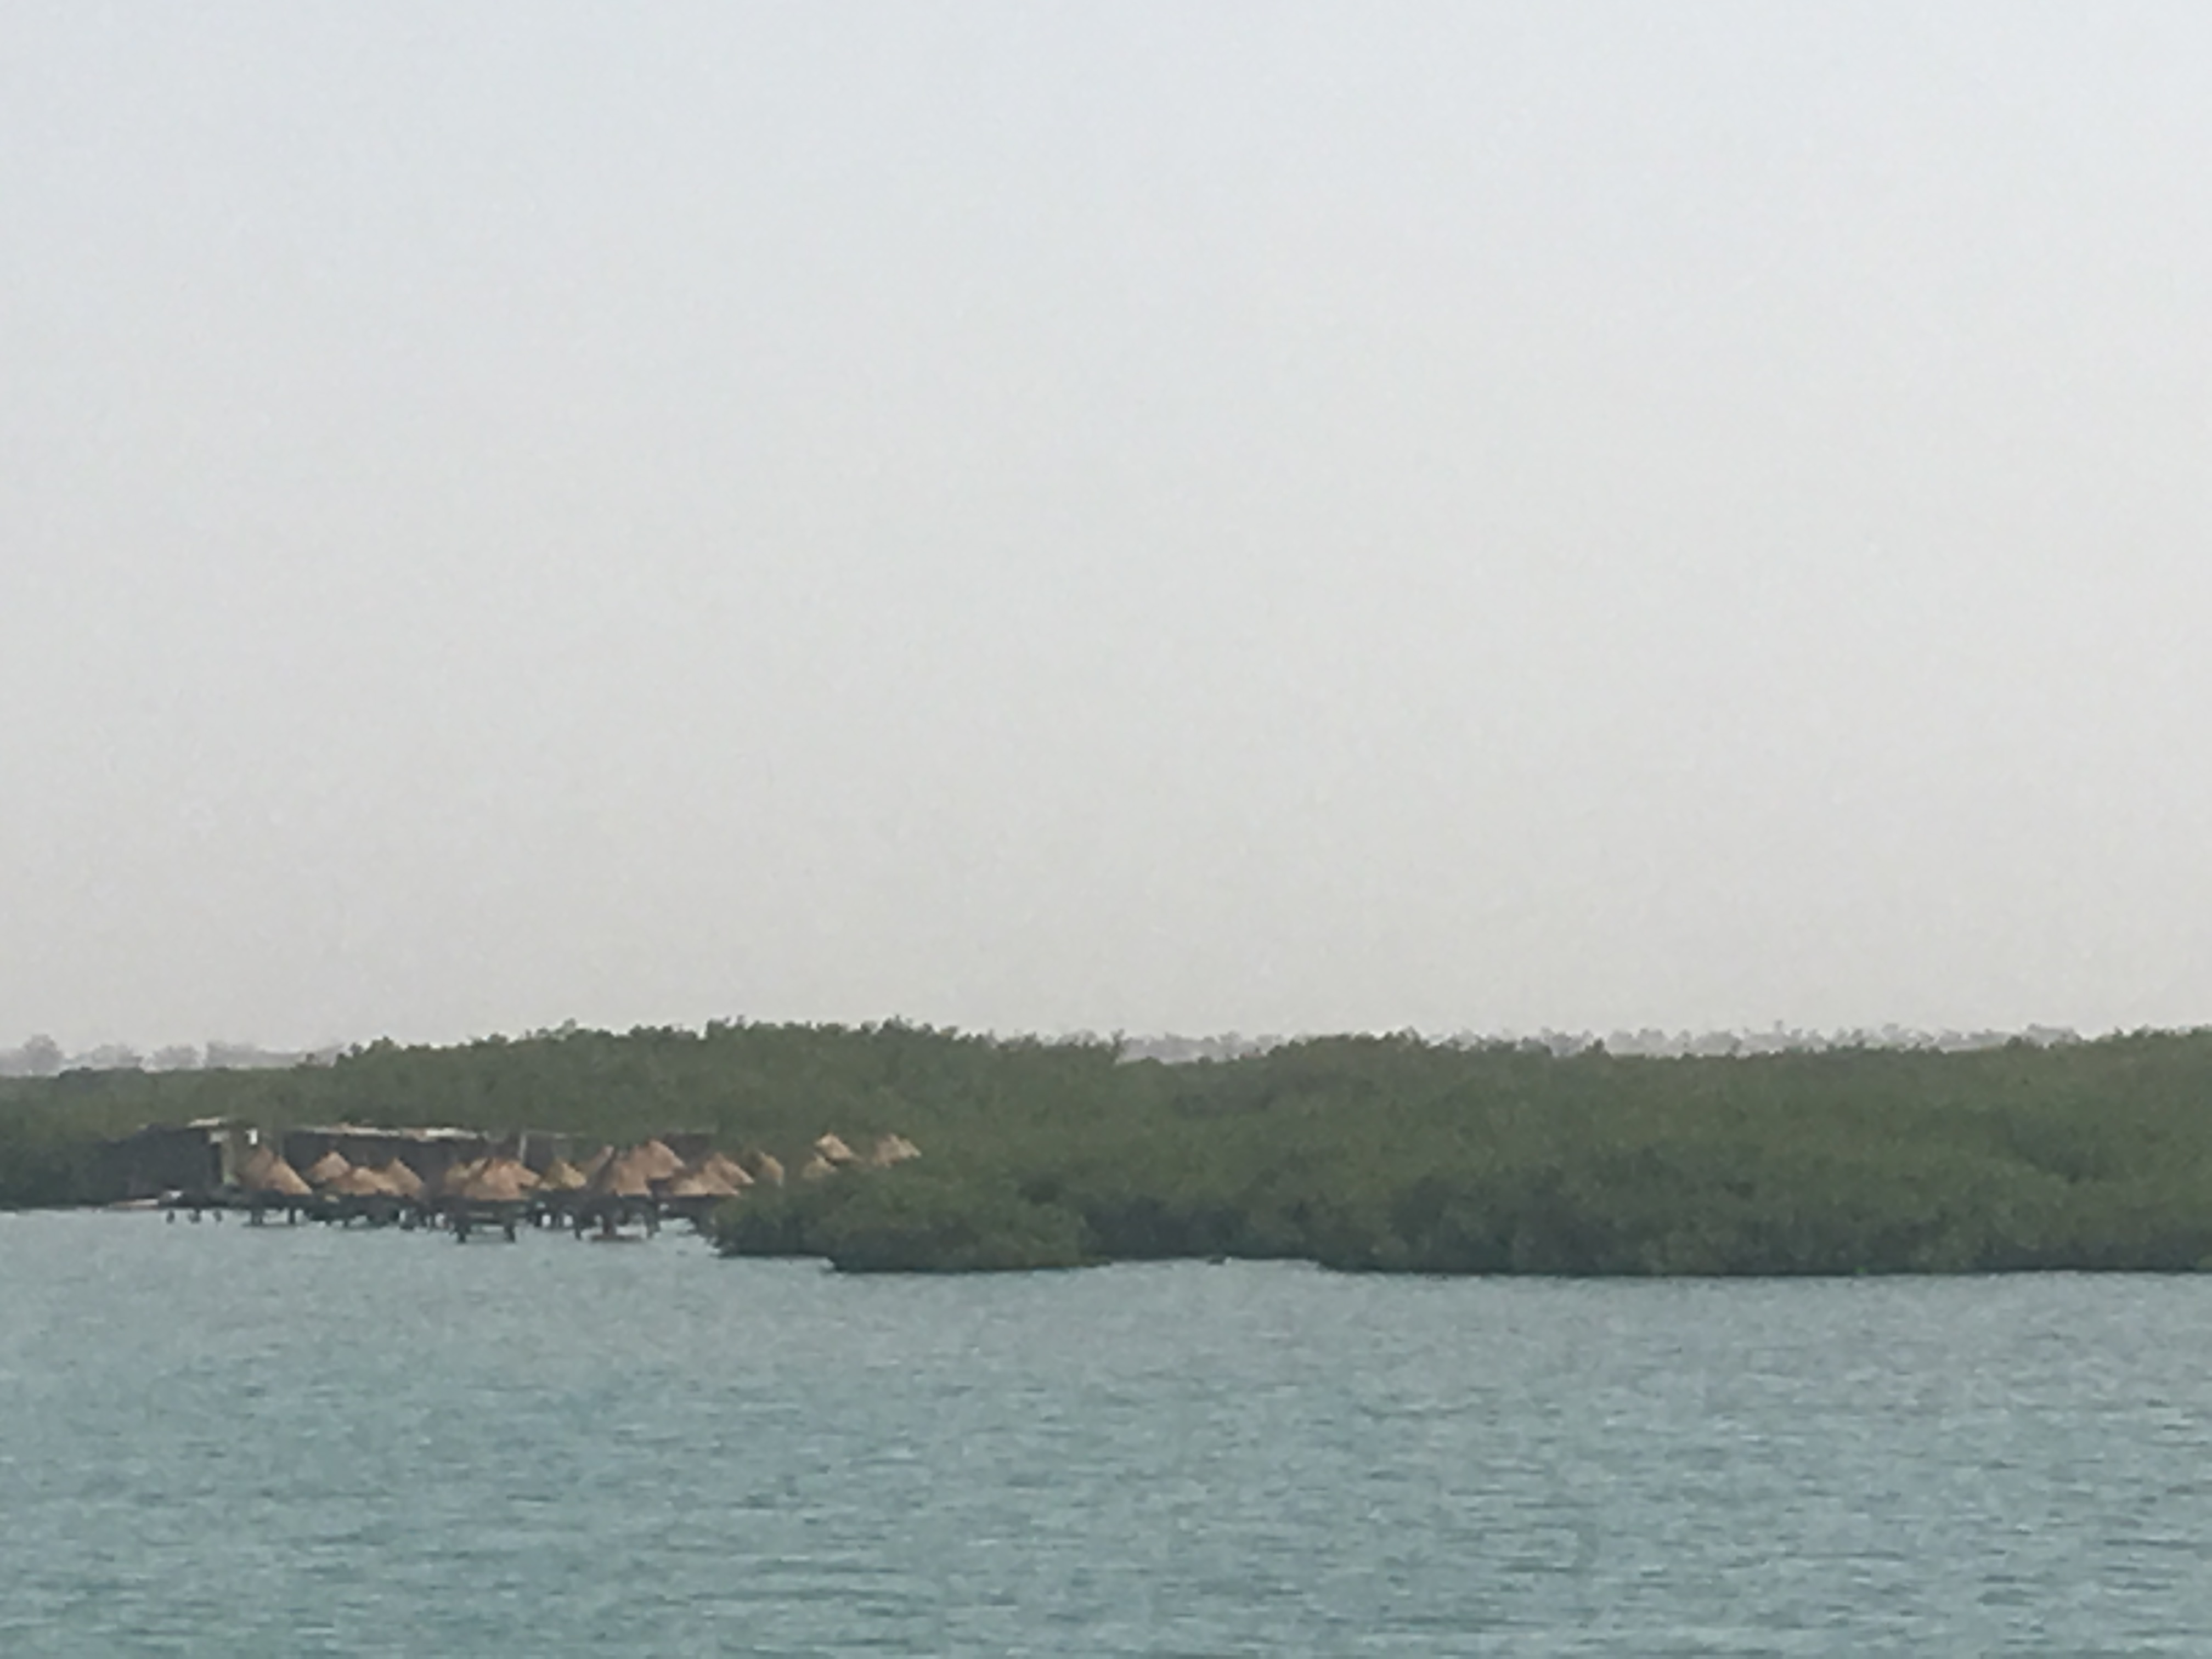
(906, 1221)
(1380, 1154)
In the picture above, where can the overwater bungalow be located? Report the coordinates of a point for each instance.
(492, 1192)
(268, 1182)
(695, 1192)
(363, 1195)
(620, 1193)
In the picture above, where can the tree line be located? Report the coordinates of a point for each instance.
(1369, 1153)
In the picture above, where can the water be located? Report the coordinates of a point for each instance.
(294, 1441)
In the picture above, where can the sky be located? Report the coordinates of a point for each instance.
(1035, 517)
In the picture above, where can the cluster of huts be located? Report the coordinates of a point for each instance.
(466, 1184)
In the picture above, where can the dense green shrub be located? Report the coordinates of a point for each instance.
(908, 1221)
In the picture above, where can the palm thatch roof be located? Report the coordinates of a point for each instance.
(266, 1171)
(723, 1167)
(767, 1167)
(498, 1180)
(326, 1168)
(816, 1168)
(653, 1160)
(362, 1182)
(621, 1177)
(832, 1149)
(458, 1175)
(699, 1182)
(889, 1150)
(402, 1179)
(563, 1176)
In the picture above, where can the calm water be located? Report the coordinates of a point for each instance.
(214, 1440)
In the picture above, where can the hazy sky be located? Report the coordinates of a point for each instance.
(1149, 516)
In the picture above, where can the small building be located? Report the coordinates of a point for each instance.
(196, 1159)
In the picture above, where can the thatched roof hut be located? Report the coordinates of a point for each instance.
(597, 1161)
(767, 1167)
(362, 1182)
(653, 1160)
(816, 1168)
(402, 1179)
(562, 1177)
(326, 1168)
(498, 1180)
(266, 1171)
(889, 1150)
(622, 1177)
(723, 1167)
(699, 1182)
(832, 1149)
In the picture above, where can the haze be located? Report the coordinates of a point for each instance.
(1257, 516)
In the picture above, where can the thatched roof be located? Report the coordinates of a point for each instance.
(266, 1171)
(724, 1168)
(597, 1162)
(699, 1182)
(499, 1181)
(832, 1149)
(653, 1160)
(326, 1168)
(767, 1167)
(362, 1182)
(562, 1177)
(622, 1177)
(816, 1168)
(458, 1175)
(889, 1150)
(401, 1179)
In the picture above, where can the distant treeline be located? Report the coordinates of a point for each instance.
(1370, 1153)
(41, 1056)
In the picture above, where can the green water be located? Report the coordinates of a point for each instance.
(294, 1441)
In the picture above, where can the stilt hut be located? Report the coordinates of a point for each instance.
(695, 1193)
(494, 1193)
(559, 1185)
(619, 1193)
(363, 1195)
(270, 1183)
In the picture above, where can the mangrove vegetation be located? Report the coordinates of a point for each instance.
(1367, 1153)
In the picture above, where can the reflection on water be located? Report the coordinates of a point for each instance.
(224, 1440)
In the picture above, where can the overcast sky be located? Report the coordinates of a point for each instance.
(1263, 516)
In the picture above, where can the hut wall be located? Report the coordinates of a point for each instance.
(167, 1157)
